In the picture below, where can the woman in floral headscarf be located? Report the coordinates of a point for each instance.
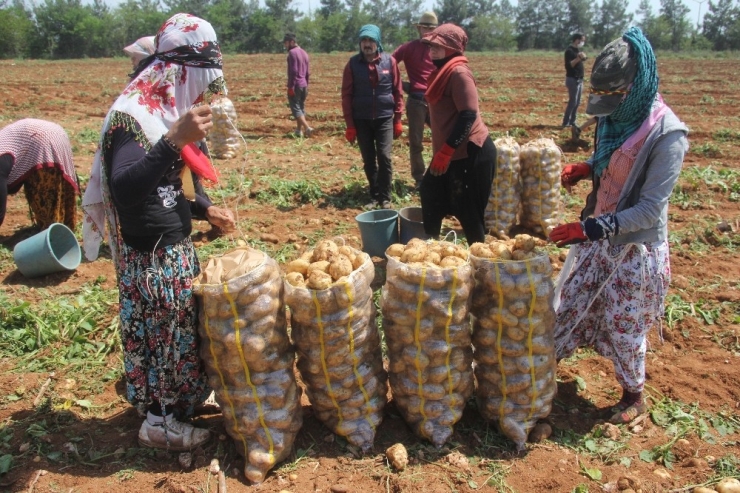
(139, 187)
(458, 181)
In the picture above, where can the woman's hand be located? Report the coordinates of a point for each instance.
(573, 173)
(221, 218)
(193, 126)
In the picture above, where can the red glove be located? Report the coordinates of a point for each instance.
(350, 134)
(441, 160)
(397, 129)
(573, 173)
(198, 162)
(291, 92)
(568, 234)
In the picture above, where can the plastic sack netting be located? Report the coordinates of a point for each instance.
(224, 140)
(513, 337)
(249, 360)
(339, 356)
(503, 203)
(540, 170)
(427, 327)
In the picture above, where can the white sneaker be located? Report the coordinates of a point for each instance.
(172, 435)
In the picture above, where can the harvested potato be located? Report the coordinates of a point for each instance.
(728, 485)
(524, 242)
(415, 254)
(325, 250)
(396, 250)
(340, 266)
(318, 279)
(451, 261)
(298, 265)
(296, 279)
(321, 266)
(481, 250)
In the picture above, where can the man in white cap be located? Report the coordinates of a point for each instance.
(415, 57)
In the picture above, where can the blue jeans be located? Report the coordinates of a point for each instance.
(575, 87)
(375, 139)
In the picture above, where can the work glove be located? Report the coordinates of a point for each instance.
(441, 160)
(350, 134)
(568, 234)
(291, 92)
(573, 173)
(397, 129)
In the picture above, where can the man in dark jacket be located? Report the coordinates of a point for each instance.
(574, 58)
(372, 104)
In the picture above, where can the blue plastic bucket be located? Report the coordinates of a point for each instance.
(54, 249)
(379, 230)
(412, 224)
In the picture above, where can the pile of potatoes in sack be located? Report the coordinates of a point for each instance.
(527, 183)
(513, 334)
(333, 326)
(248, 356)
(224, 140)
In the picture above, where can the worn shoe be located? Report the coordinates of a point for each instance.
(625, 415)
(373, 204)
(309, 132)
(386, 204)
(172, 435)
(209, 406)
(297, 134)
(575, 132)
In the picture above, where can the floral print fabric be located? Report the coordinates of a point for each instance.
(159, 328)
(611, 299)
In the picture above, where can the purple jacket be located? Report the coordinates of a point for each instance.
(298, 70)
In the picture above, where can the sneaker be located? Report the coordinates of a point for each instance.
(373, 204)
(172, 435)
(386, 204)
(297, 134)
(575, 132)
(209, 406)
(309, 131)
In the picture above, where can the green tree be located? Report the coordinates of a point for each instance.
(612, 21)
(229, 19)
(17, 28)
(674, 13)
(331, 7)
(62, 29)
(719, 23)
(194, 7)
(577, 20)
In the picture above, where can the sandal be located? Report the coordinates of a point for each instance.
(624, 416)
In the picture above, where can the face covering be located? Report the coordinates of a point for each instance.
(580, 44)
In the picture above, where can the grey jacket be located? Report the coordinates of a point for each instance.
(642, 209)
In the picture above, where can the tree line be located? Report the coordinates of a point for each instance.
(58, 29)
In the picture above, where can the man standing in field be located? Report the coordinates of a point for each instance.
(574, 58)
(372, 105)
(298, 74)
(418, 63)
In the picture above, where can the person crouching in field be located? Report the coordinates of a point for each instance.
(458, 181)
(37, 155)
(136, 187)
(616, 290)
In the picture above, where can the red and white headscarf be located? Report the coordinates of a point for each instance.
(36, 144)
(184, 69)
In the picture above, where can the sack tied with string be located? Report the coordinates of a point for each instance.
(224, 139)
(540, 162)
(513, 324)
(503, 203)
(332, 318)
(426, 322)
(248, 356)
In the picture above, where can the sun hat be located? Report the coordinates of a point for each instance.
(613, 71)
(427, 19)
(447, 36)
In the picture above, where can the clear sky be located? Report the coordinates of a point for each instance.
(693, 5)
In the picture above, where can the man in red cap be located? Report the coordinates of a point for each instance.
(418, 63)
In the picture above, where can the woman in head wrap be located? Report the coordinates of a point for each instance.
(138, 187)
(617, 287)
(140, 49)
(37, 155)
(458, 181)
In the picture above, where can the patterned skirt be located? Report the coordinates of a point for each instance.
(51, 198)
(611, 299)
(159, 328)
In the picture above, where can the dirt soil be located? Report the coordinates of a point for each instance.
(695, 362)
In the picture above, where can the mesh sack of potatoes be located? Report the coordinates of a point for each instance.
(224, 139)
(513, 324)
(248, 356)
(332, 318)
(540, 168)
(503, 203)
(426, 322)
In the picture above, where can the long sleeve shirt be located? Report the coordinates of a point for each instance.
(415, 57)
(298, 68)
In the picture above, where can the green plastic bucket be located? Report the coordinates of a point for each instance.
(412, 224)
(379, 230)
(54, 249)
